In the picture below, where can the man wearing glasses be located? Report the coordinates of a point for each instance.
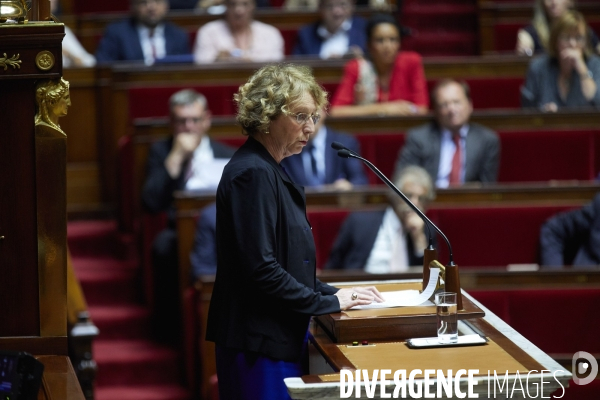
(320, 165)
(144, 36)
(188, 160)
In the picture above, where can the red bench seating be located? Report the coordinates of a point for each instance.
(145, 102)
(480, 236)
(558, 321)
(526, 156)
(505, 34)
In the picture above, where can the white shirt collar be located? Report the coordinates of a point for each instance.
(344, 28)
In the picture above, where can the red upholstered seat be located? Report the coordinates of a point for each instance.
(382, 150)
(559, 321)
(289, 39)
(105, 6)
(529, 156)
(506, 92)
(325, 226)
(492, 236)
(505, 36)
(153, 101)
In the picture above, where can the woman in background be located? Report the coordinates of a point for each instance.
(238, 37)
(569, 75)
(534, 38)
(389, 82)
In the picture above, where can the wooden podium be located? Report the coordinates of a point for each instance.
(506, 350)
(397, 323)
(33, 312)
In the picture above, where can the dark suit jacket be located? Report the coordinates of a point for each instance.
(266, 287)
(157, 194)
(355, 241)
(572, 237)
(204, 253)
(121, 42)
(423, 147)
(308, 41)
(335, 166)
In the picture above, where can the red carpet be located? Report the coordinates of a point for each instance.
(131, 366)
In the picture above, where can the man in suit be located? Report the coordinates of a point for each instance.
(572, 237)
(187, 160)
(452, 149)
(145, 36)
(336, 34)
(320, 165)
(386, 241)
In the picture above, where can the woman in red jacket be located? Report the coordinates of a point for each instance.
(389, 82)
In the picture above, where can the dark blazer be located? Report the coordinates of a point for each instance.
(541, 86)
(203, 256)
(335, 166)
(157, 194)
(423, 147)
(355, 241)
(308, 41)
(572, 237)
(121, 42)
(266, 288)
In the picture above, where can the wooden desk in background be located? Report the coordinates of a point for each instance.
(188, 204)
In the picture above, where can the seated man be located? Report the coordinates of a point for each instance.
(145, 36)
(187, 160)
(336, 34)
(572, 237)
(319, 164)
(434, 146)
(386, 241)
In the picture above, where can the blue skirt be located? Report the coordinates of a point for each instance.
(251, 376)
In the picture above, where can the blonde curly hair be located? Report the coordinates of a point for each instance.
(273, 90)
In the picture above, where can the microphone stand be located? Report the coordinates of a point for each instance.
(452, 280)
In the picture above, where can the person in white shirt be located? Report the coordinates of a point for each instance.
(238, 37)
(387, 241)
(74, 55)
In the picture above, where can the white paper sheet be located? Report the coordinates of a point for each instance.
(405, 298)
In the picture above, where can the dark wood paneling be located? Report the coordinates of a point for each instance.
(36, 345)
(19, 296)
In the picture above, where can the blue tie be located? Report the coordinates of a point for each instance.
(314, 179)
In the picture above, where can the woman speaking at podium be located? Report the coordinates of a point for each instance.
(266, 288)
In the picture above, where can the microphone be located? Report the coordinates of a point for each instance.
(345, 152)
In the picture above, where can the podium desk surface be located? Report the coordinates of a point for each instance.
(513, 353)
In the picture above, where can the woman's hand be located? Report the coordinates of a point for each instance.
(525, 44)
(549, 107)
(358, 296)
(572, 58)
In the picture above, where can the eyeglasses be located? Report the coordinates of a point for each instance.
(568, 38)
(302, 118)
